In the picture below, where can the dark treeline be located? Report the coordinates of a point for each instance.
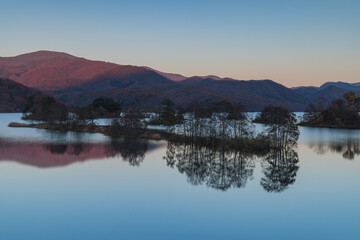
(60, 117)
(56, 116)
(168, 114)
(215, 123)
(224, 169)
(341, 113)
(49, 109)
(46, 109)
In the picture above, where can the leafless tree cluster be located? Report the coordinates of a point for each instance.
(216, 128)
(280, 126)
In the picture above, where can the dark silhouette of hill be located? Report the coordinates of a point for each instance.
(13, 95)
(144, 99)
(256, 94)
(306, 92)
(329, 94)
(148, 94)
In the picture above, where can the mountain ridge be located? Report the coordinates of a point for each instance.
(327, 92)
(77, 81)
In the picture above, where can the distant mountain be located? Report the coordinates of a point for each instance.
(126, 77)
(197, 80)
(255, 93)
(47, 70)
(343, 85)
(306, 92)
(77, 81)
(13, 95)
(171, 76)
(178, 77)
(144, 99)
(327, 92)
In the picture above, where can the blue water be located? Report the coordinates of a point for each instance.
(85, 186)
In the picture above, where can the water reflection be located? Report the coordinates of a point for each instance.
(348, 148)
(75, 148)
(221, 169)
(279, 168)
(218, 169)
(62, 152)
(131, 150)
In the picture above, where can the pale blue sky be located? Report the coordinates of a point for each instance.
(292, 42)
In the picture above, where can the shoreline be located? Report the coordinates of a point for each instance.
(330, 126)
(244, 145)
(151, 134)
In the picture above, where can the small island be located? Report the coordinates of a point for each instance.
(341, 113)
(215, 124)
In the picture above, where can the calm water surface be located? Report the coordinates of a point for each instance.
(87, 186)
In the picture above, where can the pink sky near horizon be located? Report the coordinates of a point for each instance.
(295, 43)
(285, 73)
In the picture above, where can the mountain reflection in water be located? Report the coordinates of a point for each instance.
(62, 153)
(215, 168)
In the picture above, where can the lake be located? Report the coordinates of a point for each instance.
(87, 186)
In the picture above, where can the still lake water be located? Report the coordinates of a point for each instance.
(85, 186)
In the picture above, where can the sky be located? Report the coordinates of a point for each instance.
(292, 42)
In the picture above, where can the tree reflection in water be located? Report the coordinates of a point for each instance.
(279, 168)
(222, 170)
(132, 150)
(76, 147)
(347, 147)
(218, 169)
